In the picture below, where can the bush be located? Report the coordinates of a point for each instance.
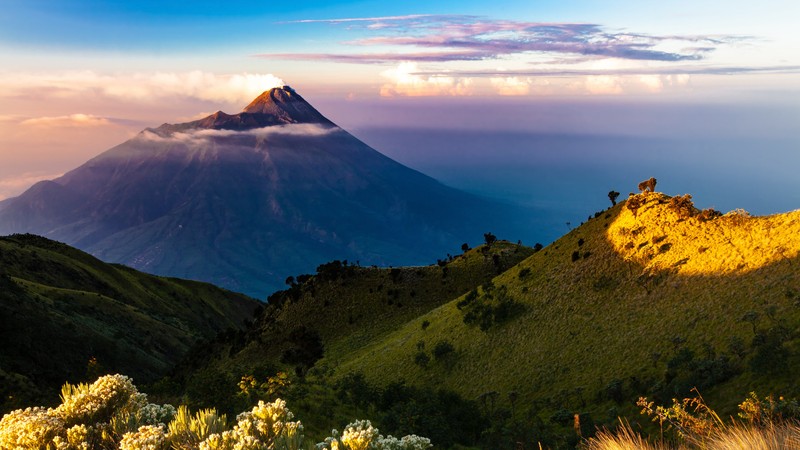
(494, 306)
(442, 350)
(111, 414)
(422, 359)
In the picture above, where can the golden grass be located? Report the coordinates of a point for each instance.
(656, 237)
(785, 436)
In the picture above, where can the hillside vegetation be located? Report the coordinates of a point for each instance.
(507, 346)
(333, 313)
(67, 316)
(651, 297)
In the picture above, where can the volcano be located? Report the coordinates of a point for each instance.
(246, 200)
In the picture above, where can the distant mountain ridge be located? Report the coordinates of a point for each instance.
(245, 200)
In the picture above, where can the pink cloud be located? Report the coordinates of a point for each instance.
(463, 38)
(71, 120)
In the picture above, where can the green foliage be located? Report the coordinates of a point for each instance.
(422, 359)
(443, 350)
(331, 314)
(613, 195)
(769, 410)
(491, 307)
(771, 355)
(443, 416)
(64, 315)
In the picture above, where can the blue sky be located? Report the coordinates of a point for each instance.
(81, 76)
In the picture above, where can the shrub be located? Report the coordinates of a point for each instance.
(422, 359)
(442, 350)
(683, 206)
(612, 195)
(494, 306)
(110, 414)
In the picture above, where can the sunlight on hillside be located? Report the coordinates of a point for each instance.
(661, 237)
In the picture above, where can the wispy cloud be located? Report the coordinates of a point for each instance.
(71, 120)
(405, 80)
(204, 136)
(382, 19)
(139, 87)
(683, 70)
(444, 38)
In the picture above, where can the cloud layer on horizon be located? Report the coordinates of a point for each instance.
(152, 87)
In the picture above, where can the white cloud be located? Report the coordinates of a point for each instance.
(141, 87)
(71, 120)
(202, 136)
(603, 85)
(405, 81)
(511, 85)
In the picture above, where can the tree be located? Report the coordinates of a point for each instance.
(489, 238)
(612, 195)
(464, 247)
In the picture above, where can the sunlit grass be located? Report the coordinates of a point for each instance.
(784, 436)
(613, 312)
(661, 239)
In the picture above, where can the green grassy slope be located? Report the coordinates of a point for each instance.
(341, 309)
(60, 307)
(621, 301)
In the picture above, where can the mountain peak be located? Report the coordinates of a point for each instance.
(285, 104)
(277, 106)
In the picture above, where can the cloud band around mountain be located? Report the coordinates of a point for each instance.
(202, 136)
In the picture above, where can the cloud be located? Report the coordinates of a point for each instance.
(72, 120)
(662, 70)
(511, 85)
(373, 20)
(404, 81)
(471, 38)
(204, 136)
(140, 87)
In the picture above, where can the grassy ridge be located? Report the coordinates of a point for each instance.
(334, 313)
(616, 300)
(61, 308)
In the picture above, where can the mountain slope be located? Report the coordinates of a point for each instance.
(650, 298)
(335, 312)
(245, 200)
(61, 308)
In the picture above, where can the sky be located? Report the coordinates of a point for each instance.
(79, 77)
